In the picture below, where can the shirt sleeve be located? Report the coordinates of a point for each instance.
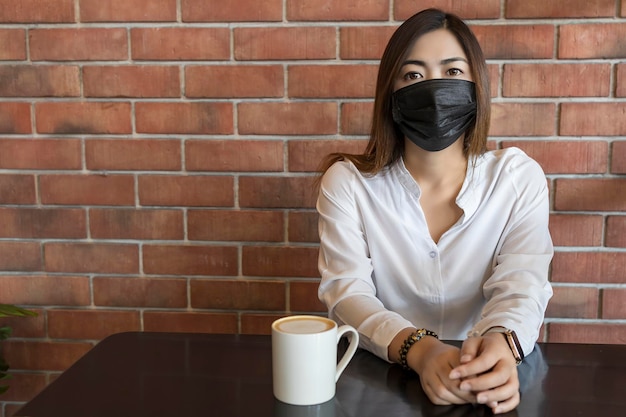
(347, 288)
(518, 290)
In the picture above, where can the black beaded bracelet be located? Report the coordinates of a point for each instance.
(416, 336)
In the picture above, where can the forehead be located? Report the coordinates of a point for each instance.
(435, 46)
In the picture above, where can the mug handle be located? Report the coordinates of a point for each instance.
(354, 343)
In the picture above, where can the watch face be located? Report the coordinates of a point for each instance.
(514, 345)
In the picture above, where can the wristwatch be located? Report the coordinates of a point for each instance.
(512, 340)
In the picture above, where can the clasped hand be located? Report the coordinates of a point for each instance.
(482, 371)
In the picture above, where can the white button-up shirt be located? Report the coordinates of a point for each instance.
(382, 272)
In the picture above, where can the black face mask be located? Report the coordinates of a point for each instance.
(433, 114)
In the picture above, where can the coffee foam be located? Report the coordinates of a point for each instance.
(304, 325)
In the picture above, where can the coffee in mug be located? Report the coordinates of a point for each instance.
(304, 358)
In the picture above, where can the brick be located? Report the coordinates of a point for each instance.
(601, 194)
(302, 226)
(522, 119)
(140, 292)
(15, 118)
(187, 118)
(576, 229)
(43, 223)
(91, 258)
(593, 119)
(566, 157)
(20, 256)
(284, 43)
(616, 231)
(356, 118)
(592, 267)
(469, 9)
(516, 41)
(620, 90)
(618, 158)
(587, 333)
(83, 117)
(40, 154)
(236, 225)
(133, 154)
(234, 81)
(39, 81)
(238, 295)
(26, 327)
(24, 386)
(13, 43)
(17, 189)
(623, 12)
(204, 191)
(258, 323)
(84, 44)
(559, 9)
(180, 43)
(125, 11)
(189, 260)
(364, 42)
(346, 10)
(90, 324)
(131, 81)
(614, 304)
(232, 11)
(159, 321)
(36, 11)
(43, 356)
(594, 40)
(556, 80)
(303, 297)
(331, 81)
(140, 224)
(296, 118)
(234, 155)
(45, 290)
(494, 79)
(273, 261)
(277, 192)
(306, 155)
(85, 189)
(574, 302)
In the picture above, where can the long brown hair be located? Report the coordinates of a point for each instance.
(386, 143)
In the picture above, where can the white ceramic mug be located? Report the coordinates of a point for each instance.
(304, 358)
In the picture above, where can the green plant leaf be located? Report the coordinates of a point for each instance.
(8, 310)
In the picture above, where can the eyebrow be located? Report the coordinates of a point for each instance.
(442, 62)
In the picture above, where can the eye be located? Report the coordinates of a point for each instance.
(412, 76)
(454, 72)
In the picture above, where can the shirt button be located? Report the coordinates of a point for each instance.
(433, 254)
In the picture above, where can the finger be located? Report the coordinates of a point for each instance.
(499, 394)
(478, 365)
(469, 349)
(441, 394)
(498, 376)
(506, 405)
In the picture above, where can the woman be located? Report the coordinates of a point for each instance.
(427, 230)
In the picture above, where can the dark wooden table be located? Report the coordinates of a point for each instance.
(177, 374)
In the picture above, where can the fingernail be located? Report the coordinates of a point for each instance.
(466, 358)
(465, 386)
(481, 399)
(455, 374)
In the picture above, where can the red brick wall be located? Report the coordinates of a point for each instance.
(157, 157)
